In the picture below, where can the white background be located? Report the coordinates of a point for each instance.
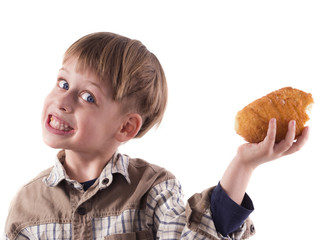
(218, 56)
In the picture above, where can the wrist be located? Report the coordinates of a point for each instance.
(244, 164)
(236, 178)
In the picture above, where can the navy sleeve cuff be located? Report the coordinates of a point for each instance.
(227, 215)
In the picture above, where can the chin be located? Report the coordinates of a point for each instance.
(52, 144)
(52, 141)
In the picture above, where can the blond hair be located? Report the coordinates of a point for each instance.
(133, 73)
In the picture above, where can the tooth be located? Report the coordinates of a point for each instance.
(55, 123)
(52, 124)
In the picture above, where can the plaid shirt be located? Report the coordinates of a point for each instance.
(131, 199)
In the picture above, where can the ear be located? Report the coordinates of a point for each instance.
(130, 127)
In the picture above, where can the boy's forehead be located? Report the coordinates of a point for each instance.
(89, 64)
(88, 74)
(73, 64)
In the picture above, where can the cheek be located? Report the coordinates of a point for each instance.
(44, 108)
(97, 130)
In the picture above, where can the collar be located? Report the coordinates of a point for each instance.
(119, 163)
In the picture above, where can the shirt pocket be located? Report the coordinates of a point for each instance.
(141, 235)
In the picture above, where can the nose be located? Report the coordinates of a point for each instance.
(66, 102)
(65, 108)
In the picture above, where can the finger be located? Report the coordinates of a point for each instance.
(301, 141)
(287, 143)
(271, 133)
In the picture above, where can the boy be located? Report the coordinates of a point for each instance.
(109, 90)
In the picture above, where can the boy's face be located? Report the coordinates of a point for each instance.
(79, 114)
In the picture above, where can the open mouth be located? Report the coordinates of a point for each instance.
(58, 124)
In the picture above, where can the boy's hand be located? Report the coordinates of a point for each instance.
(250, 155)
(254, 155)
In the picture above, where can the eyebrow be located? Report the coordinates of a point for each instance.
(95, 84)
(64, 69)
(91, 82)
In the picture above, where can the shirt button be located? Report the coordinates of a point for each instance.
(82, 211)
(105, 181)
(252, 230)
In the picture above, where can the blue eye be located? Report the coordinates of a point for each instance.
(63, 84)
(88, 97)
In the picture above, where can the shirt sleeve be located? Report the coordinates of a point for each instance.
(227, 215)
(170, 218)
